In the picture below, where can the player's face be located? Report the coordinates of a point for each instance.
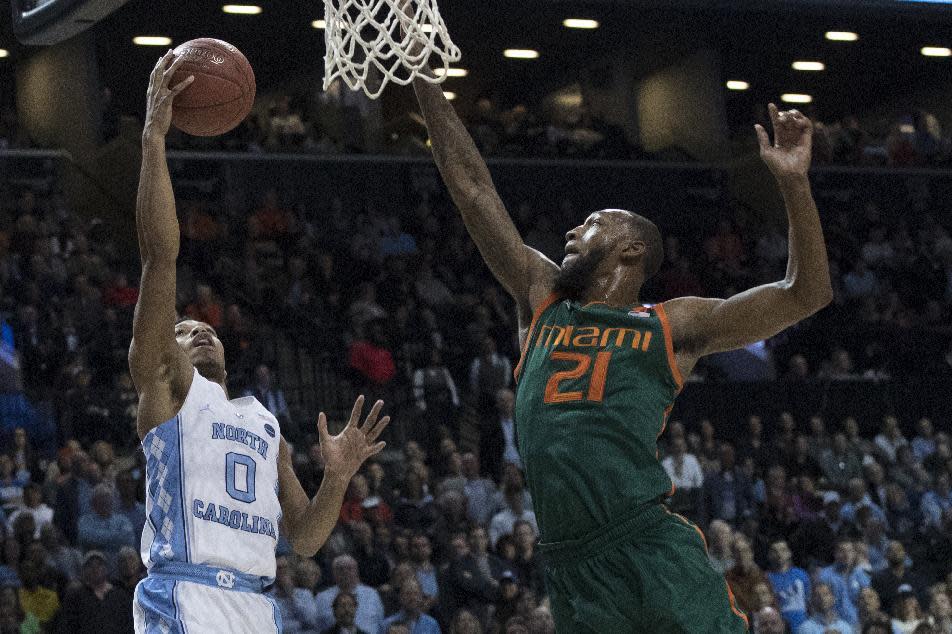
(200, 342)
(600, 231)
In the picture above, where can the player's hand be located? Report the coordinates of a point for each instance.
(790, 154)
(158, 113)
(344, 453)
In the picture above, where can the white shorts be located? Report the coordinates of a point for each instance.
(164, 605)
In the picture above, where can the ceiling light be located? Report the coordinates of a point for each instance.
(936, 51)
(795, 98)
(242, 9)
(841, 36)
(736, 84)
(907, 128)
(4, 52)
(152, 40)
(813, 66)
(450, 72)
(520, 53)
(580, 23)
(450, 96)
(319, 24)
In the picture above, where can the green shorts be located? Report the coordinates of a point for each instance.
(648, 573)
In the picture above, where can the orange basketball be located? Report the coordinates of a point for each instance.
(223, 91)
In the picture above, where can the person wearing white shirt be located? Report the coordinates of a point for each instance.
(682, 467)
(33, 505)
(503, 521)
(370, 611)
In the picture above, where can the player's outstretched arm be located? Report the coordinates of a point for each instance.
(703, 326)
(308, 523)
(160, 370)
(523, 271)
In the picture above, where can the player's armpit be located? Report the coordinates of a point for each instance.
(701, 326)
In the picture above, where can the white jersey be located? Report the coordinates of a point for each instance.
(212, 484)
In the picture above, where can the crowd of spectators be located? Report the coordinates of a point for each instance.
(812, 523)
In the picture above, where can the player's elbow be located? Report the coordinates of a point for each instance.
(812, 298)
(304, 547)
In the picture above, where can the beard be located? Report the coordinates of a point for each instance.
(575, 277)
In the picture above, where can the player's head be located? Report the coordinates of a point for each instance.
(607, 240)
(200, 342)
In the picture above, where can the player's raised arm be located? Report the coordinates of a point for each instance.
(703, 326)
(308, 523)
(523, 271)
(160, 369)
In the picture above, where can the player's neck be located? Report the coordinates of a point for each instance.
(617, 288)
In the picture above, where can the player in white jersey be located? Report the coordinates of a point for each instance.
(220, 483)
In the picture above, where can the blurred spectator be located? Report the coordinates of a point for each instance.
(411, 612)
(434, 390)
(272, 398)
(420, 556)
(504, 521)
(22, 453)
(35, 598)
(96, 606)
(489, 373)
(846, 581)
(685, 472)
(767, 620)
(345, 611)
(480, 492)
(923, 445)
(897, 578)
(890, 438)
(870, 610)
(11, 484)
(720, 542)
(205, 308)
(840, 464)
(936, 501)
(940, 610)
(857, 498)
(33, 505)
(298, 610)
(130, 570)
(103, 529)
(346, 579)
(728, 494)
(372, 563)
(908, 615)
(13, 617)
(498, 438)
(371, 359)
(745, 575)
(791, 585)
(824, 619)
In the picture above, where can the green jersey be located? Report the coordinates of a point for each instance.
(595, 387)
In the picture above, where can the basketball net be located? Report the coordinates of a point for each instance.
(385, 40)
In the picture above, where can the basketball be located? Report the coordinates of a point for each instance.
(223, 91)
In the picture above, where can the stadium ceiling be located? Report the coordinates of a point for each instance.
(751, 43)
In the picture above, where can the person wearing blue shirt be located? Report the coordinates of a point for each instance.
(103, 529)
(297, 606)
(411, 611)
(937, 501)
(846, 580)
(824, 619)
(857, 497)
(790, 584)
(347, 579)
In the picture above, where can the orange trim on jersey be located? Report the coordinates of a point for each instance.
(669, 346)
(730, 594)
(541, 308)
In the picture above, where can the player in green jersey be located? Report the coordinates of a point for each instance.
(599, 374)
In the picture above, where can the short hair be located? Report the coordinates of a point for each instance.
(649, 233)
(341, 594)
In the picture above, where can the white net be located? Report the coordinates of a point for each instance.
(372, 42)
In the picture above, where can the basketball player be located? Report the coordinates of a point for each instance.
(598, 376)
(220, 484)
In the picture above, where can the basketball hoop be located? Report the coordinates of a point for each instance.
(396, 38)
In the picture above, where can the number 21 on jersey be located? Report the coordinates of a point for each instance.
(598, 372)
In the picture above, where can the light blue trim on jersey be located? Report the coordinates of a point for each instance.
(224, 578)
(276, 615)
(181, 486)
(164, 477)
(156, 597)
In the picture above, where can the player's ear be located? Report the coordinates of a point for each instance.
(633, 250)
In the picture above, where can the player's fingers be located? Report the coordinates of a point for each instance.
(762, 138)
(372, 417)
(322, 426)
(159, 65)
(169, 72)
(774, 114)
(182, 85)
(355, 413)
(375, 449)
(374, 433)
